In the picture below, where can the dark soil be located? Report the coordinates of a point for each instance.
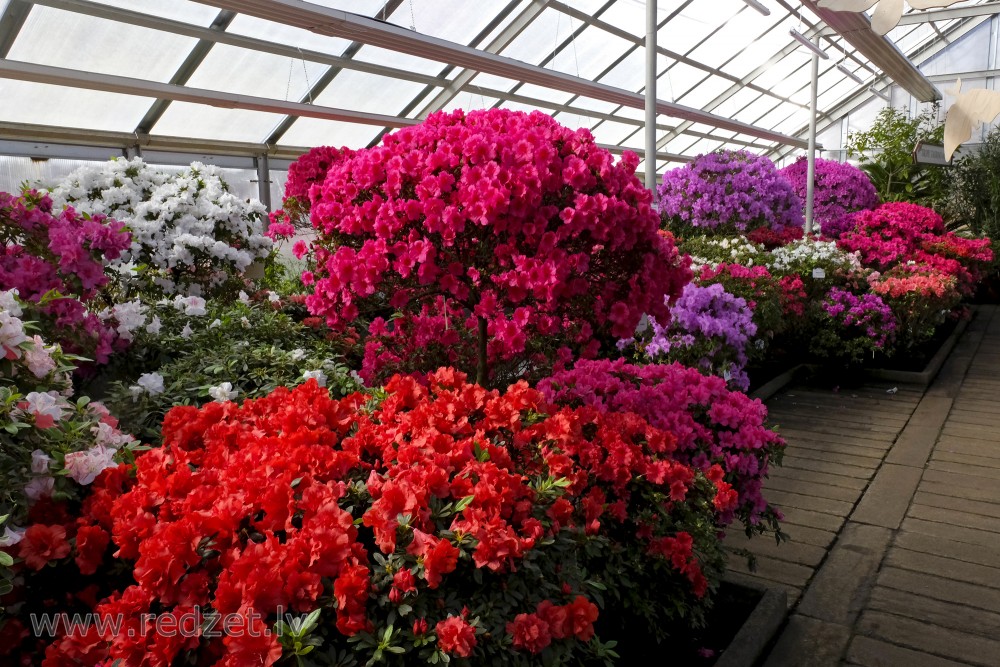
(699, 648)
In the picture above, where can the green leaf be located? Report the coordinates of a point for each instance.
(464, 502)
(5, 559)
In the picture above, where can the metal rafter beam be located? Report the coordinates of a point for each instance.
(183, 74)
(920, 55)
(327, 21)
(498, 44)
(11, 69)
(986, 9)
(855, 27)
(11, 22)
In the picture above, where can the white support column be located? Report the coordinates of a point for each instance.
(263, 180)
(811, 172)
(651, 148)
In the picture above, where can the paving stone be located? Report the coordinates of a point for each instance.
(839, 464)
(784, 499)
(809, 641)
(968, 459)
(919, 561)
(975, 418)
(914, 445)
(940, 588)
(818, 489)
(960, 491)
(953, 534)
(965, 469)
(937, 612)
(978, 522)
(800, 517)
(805, 444)
(969, 446)
(840, 588)
(959, 551)
(875, 653)
(974, 432)
(790, 550)
(888, 496)
(964, 481)
(813, 477)
(781, 571)
(943, 642)
(796, 533)
(792, 593)
(926, 496)
(831, 426)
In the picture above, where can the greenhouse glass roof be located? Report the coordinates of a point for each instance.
(281, 76)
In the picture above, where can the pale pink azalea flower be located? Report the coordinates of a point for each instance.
(39, 487)
(84, 467)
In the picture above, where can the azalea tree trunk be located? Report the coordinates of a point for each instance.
(481, 369)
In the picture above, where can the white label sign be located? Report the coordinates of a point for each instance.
(819, 274)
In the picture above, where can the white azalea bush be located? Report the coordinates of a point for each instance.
(52, 443)
(820, 264)
(190, 234)
(714, 250)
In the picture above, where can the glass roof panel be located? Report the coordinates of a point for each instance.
(590, 54)
(231, 69)
(737, 33)
(629, 73)
(470, 101)
(44, 104)
(541, 37)
(380, 56)
(152, 54)
(454, 20)
(705, 92)
(760, 51)
(178, 10)
(360, 91)
(199, 121)
(613, 133)
(310, 132)
(682, 33)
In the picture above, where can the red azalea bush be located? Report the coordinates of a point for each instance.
(920, 296)
(771, 238)
(546, 244)
(305, 174)
(899, 232)
(431, 522)
(713, 426)
(57, 259)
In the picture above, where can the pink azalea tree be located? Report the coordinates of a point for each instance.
(545, 245)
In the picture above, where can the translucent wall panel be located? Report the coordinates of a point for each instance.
(43, 104)
(74, 41)
(968, 54)
(198, 121)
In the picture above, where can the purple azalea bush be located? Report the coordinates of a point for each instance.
(709, 329)
(852, 328)
(728, 192)
(841, 190)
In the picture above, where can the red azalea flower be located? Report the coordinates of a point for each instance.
(455, 636)
(91, 543)
(530, 632)
(42, 544)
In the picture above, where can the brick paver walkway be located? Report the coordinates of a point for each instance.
(893, 507)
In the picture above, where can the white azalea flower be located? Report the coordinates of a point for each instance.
(151, 383)
(319, 376)
(224, 392)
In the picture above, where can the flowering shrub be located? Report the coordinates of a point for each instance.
(840, 190)
(920, 297)
(818, 264)
(56, 261)
(305, 180)
(901, 232)
(530, 228)
(189, 351)
(190, 235)
(761, 291)
(728, 192)
(713, 426)
(709, 329)
(383, 539)
(49, 442)
(771, 239)
(708, 250)
(852, 328)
